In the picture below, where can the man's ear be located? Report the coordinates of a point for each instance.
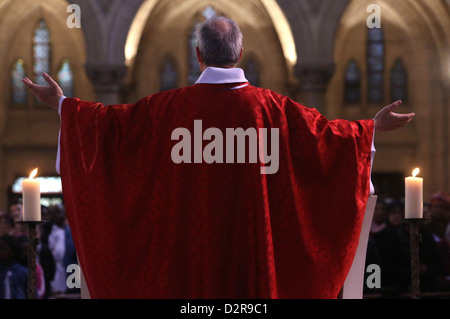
(199, 55)
(240, 55)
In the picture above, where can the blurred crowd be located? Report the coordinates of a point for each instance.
(55, 251)
(389, 246)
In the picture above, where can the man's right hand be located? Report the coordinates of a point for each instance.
(386, 120)
(49, 95)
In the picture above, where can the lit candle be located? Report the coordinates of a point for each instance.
(414, 196)
(31, 198)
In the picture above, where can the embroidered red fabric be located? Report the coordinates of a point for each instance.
(145, 227)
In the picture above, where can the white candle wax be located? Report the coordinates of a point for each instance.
(414, 196)
(31, 198)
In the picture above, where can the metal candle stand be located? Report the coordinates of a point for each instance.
(415, 239)
(32, 253)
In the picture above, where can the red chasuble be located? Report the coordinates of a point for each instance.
(146, 227)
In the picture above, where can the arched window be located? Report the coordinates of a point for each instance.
(352, 83)
(18, 89)
(194, 68)
(41, 52)
(399, 82)
(169, 77)
(209, 12)
(375, 65)
(252, 73)
(65, 78)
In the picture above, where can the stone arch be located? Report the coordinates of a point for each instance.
(271, 6)
(253, 17)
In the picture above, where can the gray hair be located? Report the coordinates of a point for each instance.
(219, 40)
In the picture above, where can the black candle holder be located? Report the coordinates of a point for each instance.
(32, 253)
(415, 239)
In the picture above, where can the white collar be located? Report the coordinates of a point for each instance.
(213, 75)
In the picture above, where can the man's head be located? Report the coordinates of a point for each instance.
(395, 213)
(58, 215)
(6, 224)
(10, 249)
(440, 206)
(379, 215)
(219, 43)
(15, 210)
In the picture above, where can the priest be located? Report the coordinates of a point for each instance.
(216, 190)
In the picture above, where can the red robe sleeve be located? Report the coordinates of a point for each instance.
(145, 227)
(329, 169)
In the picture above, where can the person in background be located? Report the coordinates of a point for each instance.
(395, 214)
(16, 214)
(13, 275)
(386, 241)
(6, 224)
(427, 211)
(45, 255)
(379, 218)
(15, 210)
(57, 245)
(443, 281)
(439, 210)
(62, 247)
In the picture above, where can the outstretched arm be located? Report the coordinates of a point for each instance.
(386, 120)
(49, 95)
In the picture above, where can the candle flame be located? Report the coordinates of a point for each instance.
(33, 173)
(415, 172)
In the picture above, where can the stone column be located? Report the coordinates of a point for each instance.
(107, 80)
(314, 80)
